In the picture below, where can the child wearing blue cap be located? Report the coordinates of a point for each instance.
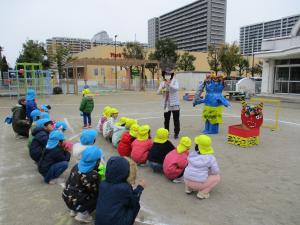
(45, 108)
(30, 102)
(87, 138)
(40, 138)
(55, 159)
(81, 190)
(61, 125)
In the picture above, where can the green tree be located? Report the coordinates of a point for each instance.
(165, 52)
(152, 67)
(242, 65)
(186, 62)
(229, 57)
(4, 66)
(59, 57)
(213, 58)
(33, 52)
(134, 50)
(257, 69)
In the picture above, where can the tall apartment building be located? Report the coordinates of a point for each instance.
(251, 36)
(193, 26)
(76, 45)
(153, 31)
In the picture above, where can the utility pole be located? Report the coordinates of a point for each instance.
(252, 70)
(116, 72)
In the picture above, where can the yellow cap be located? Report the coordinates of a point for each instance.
(86, 91)
(130, 122)
(184, 145)
(213, 74)
(204, 144)
(113, 111)
(105, 111)
(162, 135)
(134, 130)
(143, 133)
(121, 121)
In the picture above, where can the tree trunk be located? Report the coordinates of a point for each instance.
(142, 79)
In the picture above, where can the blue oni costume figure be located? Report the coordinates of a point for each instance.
(213, 101)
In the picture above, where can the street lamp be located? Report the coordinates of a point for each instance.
(116, 73)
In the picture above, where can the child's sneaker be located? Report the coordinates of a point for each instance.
(202, 195)
(84, 217)
(178, 180)
(90, 126)
(54, 181)
(72, 213)
(188, 190)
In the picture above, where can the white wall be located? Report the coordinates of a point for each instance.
(189, 81)
(268, 76)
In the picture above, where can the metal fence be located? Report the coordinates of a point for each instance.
(12, 84)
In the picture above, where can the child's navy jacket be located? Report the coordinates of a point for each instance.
(118, 203)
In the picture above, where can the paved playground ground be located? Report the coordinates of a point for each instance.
(259, 186)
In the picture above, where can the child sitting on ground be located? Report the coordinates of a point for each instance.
(35, 115)
(86, 107)
(118, 203)
(105, 115)
(142, 145)
(45, 108)
(40, 139)
(87, 139)
(161, 147)
(30, 102)
(109, 124)
(55, 158)
(119, 129)
(81, 190)
(202, 172)
(124, 147)
(63, 127)
(176, 160)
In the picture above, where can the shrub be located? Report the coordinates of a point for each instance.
(57, 91)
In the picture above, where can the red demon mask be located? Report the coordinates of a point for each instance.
(252, 116)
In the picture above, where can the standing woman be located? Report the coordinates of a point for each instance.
(169, 88)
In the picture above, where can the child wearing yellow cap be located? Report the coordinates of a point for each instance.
(103, 119)
(118, 129)
(86, 107)
(176, 160)
(108, 126)
(202, 172)
(161, 147)
(142, 145)
(124, 147)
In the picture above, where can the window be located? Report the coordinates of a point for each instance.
(95, 71)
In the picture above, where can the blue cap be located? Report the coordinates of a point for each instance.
(88, 137)
(54, 138)
(45, 108)
(41, 122)
(45, 115)
(61, 125)
(34, 114)
(89, 158)
(30, 95)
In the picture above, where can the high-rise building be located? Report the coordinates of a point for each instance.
(76, 45)
(194, 26)
(153, 31)
(251, 36)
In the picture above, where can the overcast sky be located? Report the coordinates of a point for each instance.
(39, 20)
